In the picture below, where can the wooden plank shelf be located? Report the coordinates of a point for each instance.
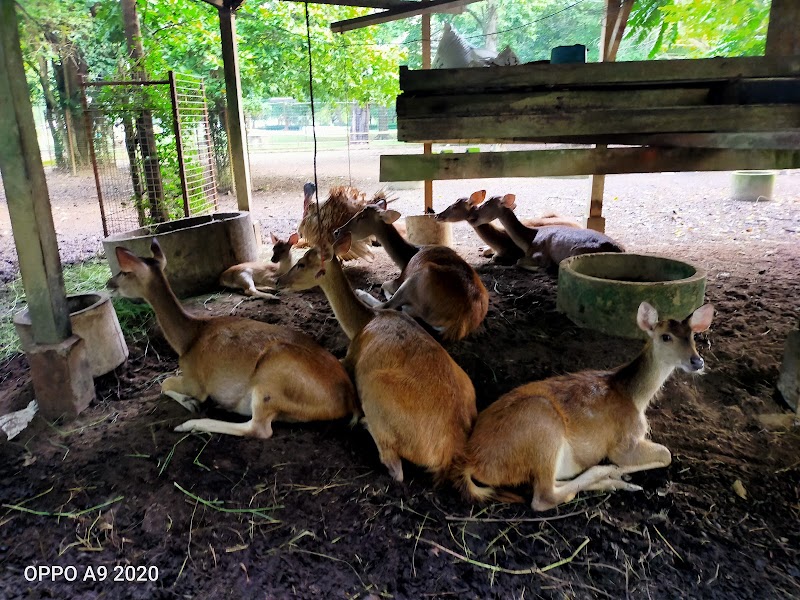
(608, 161)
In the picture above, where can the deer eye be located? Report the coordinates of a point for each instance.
(666, 337)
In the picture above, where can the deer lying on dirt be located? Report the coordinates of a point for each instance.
(501, 248)
(504, 250)
(435, 285)
(254, 277)
(267, 372)
(554, 433)
(417, 402)
(543, 246)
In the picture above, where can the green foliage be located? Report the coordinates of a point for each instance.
(700, 28)
(80, 278)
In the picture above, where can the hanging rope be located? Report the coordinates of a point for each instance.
(313, 116)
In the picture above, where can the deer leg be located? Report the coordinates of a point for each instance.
(549, 494)
(368, 299)
(260, 425)
(182, 392)
(390, 288)
(645, 455)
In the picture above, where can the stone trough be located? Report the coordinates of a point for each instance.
(198, 249)
(603, 291)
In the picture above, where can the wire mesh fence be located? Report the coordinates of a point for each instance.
(283, 124)
(141, 176)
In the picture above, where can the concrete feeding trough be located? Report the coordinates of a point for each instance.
(93, 318)
(198, 249)
(752, 186)
(425, 229)
(603, 291)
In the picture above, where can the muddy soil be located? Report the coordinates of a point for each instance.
(311, 513)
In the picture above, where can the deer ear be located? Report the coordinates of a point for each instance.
(342, 243)
(158, 254)
(126, 259)
(647, 318)
(389, 216)
(273, 237)
(477, 197)
(700, 320)
(293, 239)
(509, 201)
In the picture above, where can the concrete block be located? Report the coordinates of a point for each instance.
(62, 377)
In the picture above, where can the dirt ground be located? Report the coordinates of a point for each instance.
(311, 513)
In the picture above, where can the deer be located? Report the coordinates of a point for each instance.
(501, 248)
(418, 404)
(253, 277)
(552, 434)
(263, 371)
(544, 247)
(435, 285)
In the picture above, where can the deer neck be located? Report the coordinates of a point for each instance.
(398, 249)
(179, 327)
(641, 378)
(491, 235)
(284, 264)
(522, 235)
(352, 314)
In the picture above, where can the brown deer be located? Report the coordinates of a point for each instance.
(435, 285)
(544, 246)
(267, 372)
(553, 434)
(253, 277)
(503, 249)
(417, 402)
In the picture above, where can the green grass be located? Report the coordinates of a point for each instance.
(80, 278)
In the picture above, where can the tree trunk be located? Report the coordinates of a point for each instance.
(359, 124)
(130, 147)
(144, 122)
(490, 25)
(51, 112)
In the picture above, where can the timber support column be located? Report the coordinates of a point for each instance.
(783, 39)
(237, 133)
(614, 22)
(59, 368)
(427, 148)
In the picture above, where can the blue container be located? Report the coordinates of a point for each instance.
(568, 54)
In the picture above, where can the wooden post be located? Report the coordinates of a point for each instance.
(783, 39)
(60, 369)
(616, 16)
(233, 94)
(427, 148)
(26, 191)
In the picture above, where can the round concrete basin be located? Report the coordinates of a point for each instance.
(198, 249)
(603, 291)
(93, 318)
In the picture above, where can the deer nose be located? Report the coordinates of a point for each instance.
(697, 363)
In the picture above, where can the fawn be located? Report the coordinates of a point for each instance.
(543, 246)
(554, 433)
(267, 372)
(254, 277)
(435, 285)
(417, 402)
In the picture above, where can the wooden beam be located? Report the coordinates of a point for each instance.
(26, 193)
(551, 163)
(533, 76)
(383, 4)
(233, 95)
(394, 14)
(766, 140)
(783, 33)
(526, 128)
